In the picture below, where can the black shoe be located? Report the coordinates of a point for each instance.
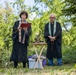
(15, 64)
(24, 64)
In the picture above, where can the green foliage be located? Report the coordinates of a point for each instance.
(70, 7)
(6, 23)
(38, 24)
(69, 54)
(70, 10)
(19, 4)
(75, 66)
(69, 46)
(67, 38)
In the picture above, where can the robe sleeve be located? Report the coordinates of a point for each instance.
(29, 32)
(28, 35)
(15, 31)
(59, 31)
(46, 32)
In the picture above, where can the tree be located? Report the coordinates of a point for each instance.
(47, 7)
(70, 10)
(6, 24)
(19, 5)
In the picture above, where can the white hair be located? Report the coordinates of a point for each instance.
(52, 15)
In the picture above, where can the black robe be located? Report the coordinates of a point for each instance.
(19, 52)
(53, 50)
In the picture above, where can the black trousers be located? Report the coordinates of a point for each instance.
(16, 64)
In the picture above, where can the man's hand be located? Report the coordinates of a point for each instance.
(52, 38)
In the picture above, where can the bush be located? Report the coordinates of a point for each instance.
(69, 54)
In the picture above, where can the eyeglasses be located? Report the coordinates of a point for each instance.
(52, 17)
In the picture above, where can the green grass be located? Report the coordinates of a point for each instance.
(67, 69)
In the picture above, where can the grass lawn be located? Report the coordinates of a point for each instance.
(66, 69)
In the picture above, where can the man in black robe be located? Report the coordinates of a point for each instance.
(53, 37)
(20, 41)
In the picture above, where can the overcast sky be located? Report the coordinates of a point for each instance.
(28, 2)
